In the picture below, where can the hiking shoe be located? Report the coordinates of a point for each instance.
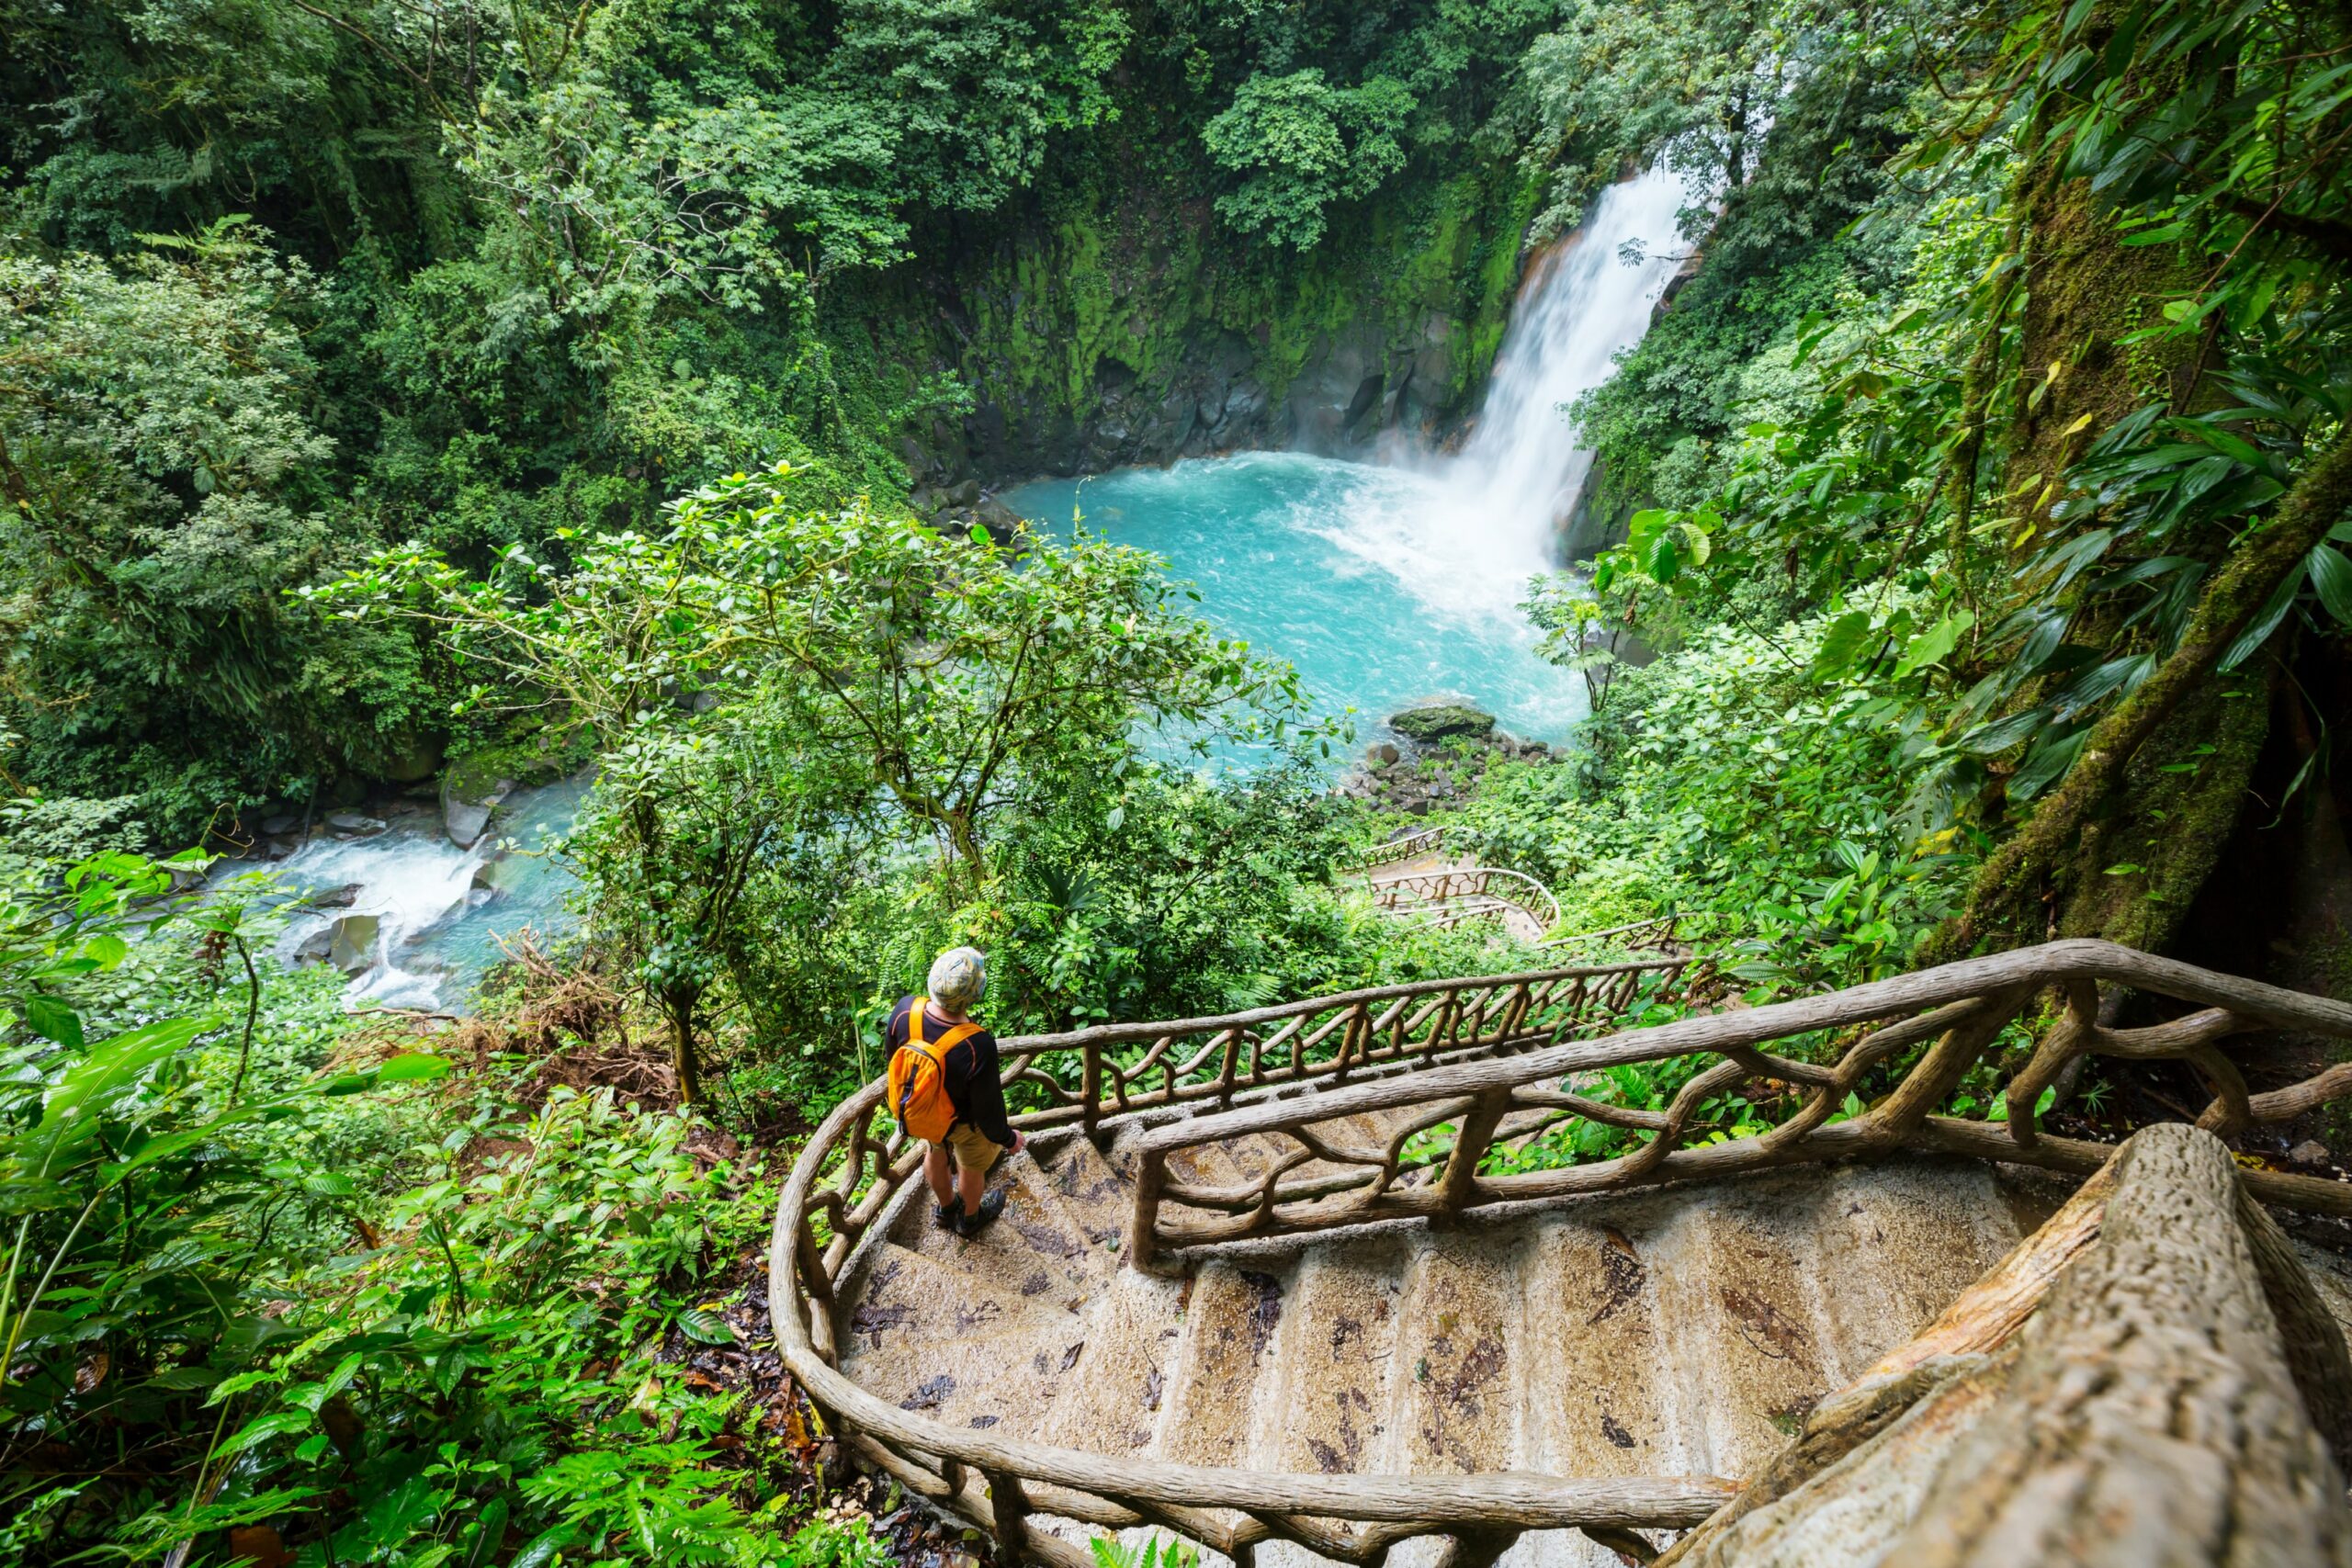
(947, 1215)
(970, 1225)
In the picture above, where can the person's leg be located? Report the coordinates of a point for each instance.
(973, 1156)
(935, 1171)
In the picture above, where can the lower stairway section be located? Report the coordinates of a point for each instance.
(1684, 1331)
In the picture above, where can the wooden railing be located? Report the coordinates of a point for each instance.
(1429, 840)
(1466, 892)
(1659, 933)
(856, 1164)
(1464, 1056)
(1459, 1113)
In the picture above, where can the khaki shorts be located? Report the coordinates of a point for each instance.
(971, 1148)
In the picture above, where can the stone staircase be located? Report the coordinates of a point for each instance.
(1277, 1282)
(1682, 1331)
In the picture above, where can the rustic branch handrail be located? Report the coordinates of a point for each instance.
(1439, 894)
(1427, 841)
(1962, 1006)
(1656, 933)
(1473, 1046)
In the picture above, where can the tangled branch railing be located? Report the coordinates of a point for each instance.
(1471, 1060)
(1955, 1012)
(1395, 852)
(1466, 892)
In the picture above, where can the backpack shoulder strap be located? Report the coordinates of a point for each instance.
(935, 1049)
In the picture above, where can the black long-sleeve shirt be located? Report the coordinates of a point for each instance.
(973, 1084)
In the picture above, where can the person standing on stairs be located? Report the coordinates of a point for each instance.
(945, 1090)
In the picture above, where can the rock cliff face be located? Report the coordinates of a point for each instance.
(1144, 333)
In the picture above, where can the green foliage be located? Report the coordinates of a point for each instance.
(318, 1298)
(1729, 778)
(1156, 1552)
(1300, 144)
(162, 494)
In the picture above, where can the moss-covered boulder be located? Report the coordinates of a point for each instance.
(1442, 721)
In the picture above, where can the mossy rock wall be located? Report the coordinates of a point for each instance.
(1137, 329)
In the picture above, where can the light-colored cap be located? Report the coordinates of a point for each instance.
(957, 977)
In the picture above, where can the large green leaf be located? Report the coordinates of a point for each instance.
(69, 1122)
(2332, 579)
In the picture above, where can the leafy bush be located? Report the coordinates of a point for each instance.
(261, 1296)
(1728, 779)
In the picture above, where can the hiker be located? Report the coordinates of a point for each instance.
(943, 1089)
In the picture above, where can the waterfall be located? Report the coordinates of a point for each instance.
(1463, 532)
(1520, 472)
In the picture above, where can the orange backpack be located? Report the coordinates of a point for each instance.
(917, 1091)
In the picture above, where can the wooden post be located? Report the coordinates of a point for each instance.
(1151, 1174)
(1090, 1092)
(1010, 1506)
(1228, 1066)
(1461, 1174)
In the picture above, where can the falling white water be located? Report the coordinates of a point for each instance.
(1582, 305)
(411, 918)
(1464, 532)
(1392, 584)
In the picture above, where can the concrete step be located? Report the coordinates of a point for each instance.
(1745, 1328)
(1134, 1336)
(1231, 1317)
(1456, 1398)
(1095, 1190)
(1036, 1249)
(1004, 1376)
(1332, 1391)
(1897, 1244)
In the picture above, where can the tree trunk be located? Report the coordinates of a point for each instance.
(2005, 903)
(2148, 1416)
(679, 1007)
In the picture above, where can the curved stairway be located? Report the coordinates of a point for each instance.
(1678, 1332)
(1279, 1282)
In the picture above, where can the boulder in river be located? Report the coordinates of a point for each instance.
(352, 940)
(342, 898)
(1442, 721)
(464, 819)
(353, 824)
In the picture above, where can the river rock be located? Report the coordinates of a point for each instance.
(1442, 721)
(1384, 755)
(352, 942)
(464, 820)
(353, 824)
(284, 822)
(342, 898)
(1001, 521)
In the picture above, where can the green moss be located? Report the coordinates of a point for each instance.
(525, 751)
(1101, 291)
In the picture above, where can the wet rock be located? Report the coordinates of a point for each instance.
(1442, 721)
(284, 822)
(353, 824)
(1384, 755)
(464, 820)
(999, 521)
(352, 940)
(341, 897)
